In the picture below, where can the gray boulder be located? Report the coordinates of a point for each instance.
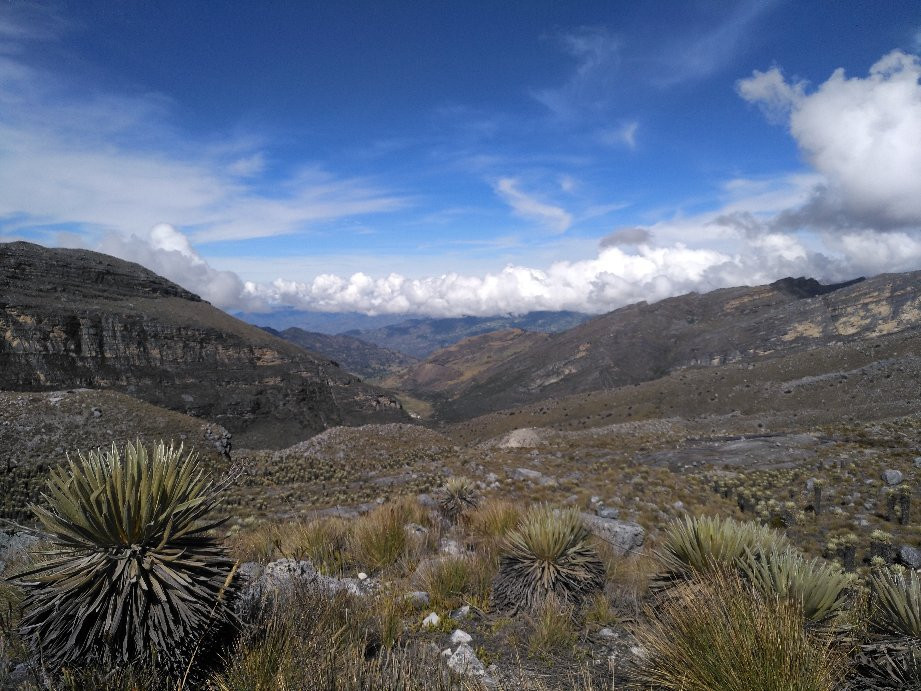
(625, 536)
(528, 474)
(910, 556)
(892, 477)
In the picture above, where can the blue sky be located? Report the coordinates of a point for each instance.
(476, 157)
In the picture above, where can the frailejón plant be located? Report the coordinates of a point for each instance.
(549, 552)
(133, 575)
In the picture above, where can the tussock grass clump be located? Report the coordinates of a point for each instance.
(490, 522)
(323, 541)
(817, 586)
(447, 580)
(378, 539)
(891, 658)
(600, 611)
(718, 634)
(551, 552)
(456, 496)
(328, 643)
(551, 632)
(132, 574)
(451, 581)
(259, 543)
(701, 545)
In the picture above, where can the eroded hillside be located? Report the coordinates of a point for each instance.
(72, 318)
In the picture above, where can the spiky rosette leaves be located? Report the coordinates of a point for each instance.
(892, 656)
(133, 575)
(456, 496)
(896, 603)
(703, 544)
(817, 586)
(549, 552)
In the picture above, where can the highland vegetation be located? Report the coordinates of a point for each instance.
(716, 491)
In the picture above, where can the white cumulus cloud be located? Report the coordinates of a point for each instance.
(167, 252)
(862, 134)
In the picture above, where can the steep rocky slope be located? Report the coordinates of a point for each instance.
(354, 355)
(72, 318)
(643, 342)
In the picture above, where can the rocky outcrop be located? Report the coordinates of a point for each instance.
(72, 318)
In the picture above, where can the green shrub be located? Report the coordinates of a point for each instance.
(132, 574)
(550, 552)
(456, 496)
(700, 545)
(897, 603)
(717, 634)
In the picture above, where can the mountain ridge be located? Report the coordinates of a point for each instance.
(75, 318)
(643, 341)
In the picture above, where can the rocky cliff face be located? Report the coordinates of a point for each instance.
(642, 342)
(72, 318)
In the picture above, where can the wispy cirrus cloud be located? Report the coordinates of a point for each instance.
(528, 206)
(694, 55)
(597, 55)
(624, 135)
(114, 163)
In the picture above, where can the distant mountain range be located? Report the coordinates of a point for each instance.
(421, 337)
(644, 342)
(412, 335)
(73, 318)
(352, 354)
(330, 323)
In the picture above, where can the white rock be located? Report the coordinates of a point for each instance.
(431, 621)
(464, 661)
(460, 636)
(461, 613)
(362, 576)
(520, 438)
